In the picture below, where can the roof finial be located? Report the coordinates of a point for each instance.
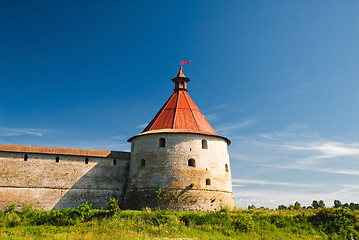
(180, 81)
(180, 72)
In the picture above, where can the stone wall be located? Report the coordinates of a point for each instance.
(161, 176)
(79, 175)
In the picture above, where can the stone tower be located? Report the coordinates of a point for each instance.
(179, 162)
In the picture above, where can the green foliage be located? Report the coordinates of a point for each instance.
(10, 207)
(296, 206)
(244, 222)
(282, 207)
(224, 209)
(337, 204)
(11, 219)
(317, 204)
(156, 218)
(354, 206)
(112, 206)
(336, 221)
(158, 193)
(256, 223)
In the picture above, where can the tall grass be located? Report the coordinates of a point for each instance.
(86, 223)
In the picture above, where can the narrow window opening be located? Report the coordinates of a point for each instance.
(25, 157)
(204, 144)
(143, 163)
(115, 162)
(86, 160)
(162, 142)
(208, 181)
(132, 146)
(57, 159)
(226, 167)
(191, 162)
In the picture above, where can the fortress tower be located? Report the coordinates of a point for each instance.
(179, 162)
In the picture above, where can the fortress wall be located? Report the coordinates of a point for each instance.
(167, 168)
(48, 184)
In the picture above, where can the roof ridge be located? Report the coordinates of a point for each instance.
(148, 127)
(175, 109)
(191, 110)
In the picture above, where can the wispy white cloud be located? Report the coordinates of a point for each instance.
(330, 149)
(142, 125)
(310, 166)
(295, 89)
(269, 182)
(7, 132)
(235, 125)
(211, 117)
(118, 137)
(340, 171)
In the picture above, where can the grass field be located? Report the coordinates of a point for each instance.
(86, 223)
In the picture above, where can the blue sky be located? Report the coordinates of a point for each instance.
(278, 78)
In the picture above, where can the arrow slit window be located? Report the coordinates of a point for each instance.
(204, 144)
(162, 142)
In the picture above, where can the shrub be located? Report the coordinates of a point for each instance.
(280, 220)
(10, 207)
(112, 206)
(282, 207)
(156, 217)
(336, 221)
(12, 219)
(243, 222)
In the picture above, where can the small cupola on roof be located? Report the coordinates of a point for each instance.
(180, 113)
(180, 81)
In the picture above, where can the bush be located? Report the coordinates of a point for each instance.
(10, 207)
(12, 219)
(112, 206)
(243, 222)
(156, 217)
(336, 221)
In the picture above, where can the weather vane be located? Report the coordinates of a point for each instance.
(184, 62)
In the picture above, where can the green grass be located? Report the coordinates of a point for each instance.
(86, 223)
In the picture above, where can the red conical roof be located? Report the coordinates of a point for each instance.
(180, 113)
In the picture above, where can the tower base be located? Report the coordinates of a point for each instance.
(178, 199)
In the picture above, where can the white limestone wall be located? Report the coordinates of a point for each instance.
(48, 184)
(167, 167)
